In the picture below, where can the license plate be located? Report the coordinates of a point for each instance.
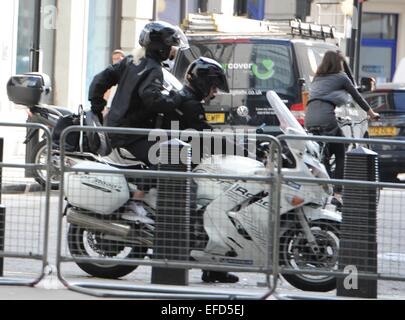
(215, 117)
(383, 131)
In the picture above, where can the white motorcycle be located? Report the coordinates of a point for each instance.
(235, 215)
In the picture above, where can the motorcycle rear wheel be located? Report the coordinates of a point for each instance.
(39, 156)
(84, 243)
(295, 254)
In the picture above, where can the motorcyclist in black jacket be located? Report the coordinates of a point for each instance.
(139, 98)
(204, 77)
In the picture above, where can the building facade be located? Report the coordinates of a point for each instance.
(78, 36)
(7, 49)
(383, 44)
(17, 41)
(382, 31)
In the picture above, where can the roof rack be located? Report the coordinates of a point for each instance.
(310, 30)
(219, 23)
(199, 23)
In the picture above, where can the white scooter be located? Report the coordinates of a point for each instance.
(235, 215)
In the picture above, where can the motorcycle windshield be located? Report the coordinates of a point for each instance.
(170, 82)
(288, 123)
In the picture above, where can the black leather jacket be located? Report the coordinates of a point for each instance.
(138, 99)
(189, 113)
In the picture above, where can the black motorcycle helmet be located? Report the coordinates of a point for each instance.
(205, 73)
(158, 38)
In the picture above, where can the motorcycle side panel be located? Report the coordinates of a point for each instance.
(244, 231)
(209, 189)
(96, 192)
(235, 165)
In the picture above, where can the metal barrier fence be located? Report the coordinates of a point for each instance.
(193, 220)
(24, 226)
(365, 242)
(369, 238)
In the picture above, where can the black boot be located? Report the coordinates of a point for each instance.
(216, 276)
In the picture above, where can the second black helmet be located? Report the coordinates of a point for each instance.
(203, 74)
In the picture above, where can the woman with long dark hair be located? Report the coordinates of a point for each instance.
(330, 88)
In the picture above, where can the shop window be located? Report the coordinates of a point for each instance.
(241, 7)
(378, 46)
(25, 37)
(379, 26)
(203, 5)
(99, 45)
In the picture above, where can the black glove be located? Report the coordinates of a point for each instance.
(177, 98)
(97, 106)
(98, 113)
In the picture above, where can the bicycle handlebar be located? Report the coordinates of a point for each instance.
(347, 121)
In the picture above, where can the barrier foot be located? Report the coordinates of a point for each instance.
(50, 281)
(2, 236)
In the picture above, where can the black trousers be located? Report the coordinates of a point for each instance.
(336, 149)
(140, 150)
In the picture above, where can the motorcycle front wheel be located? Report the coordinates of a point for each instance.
(83, 243)
(296, 255)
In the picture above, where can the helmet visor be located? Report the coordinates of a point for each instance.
(178, 39)
(220, 81)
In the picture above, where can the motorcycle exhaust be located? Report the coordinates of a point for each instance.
(95, 224)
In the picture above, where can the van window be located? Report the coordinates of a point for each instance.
(393, 102)
(217, 51)
(309, 58)
(251, 67)
(264, 67)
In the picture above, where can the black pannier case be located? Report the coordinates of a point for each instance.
(28, 89)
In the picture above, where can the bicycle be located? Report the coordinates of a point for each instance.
(326, 157)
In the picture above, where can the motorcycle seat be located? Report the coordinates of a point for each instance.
(123, 159)
(63, 111)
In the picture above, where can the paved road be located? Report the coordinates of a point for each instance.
(25, 222)
(24, 232)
